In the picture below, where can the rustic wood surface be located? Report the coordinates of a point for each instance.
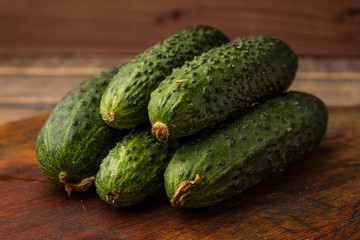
(48, 47)
(317, 198)
(31, 85)
(320, 27)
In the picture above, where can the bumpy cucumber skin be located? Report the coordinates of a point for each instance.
(221, 82)
(134, 168)
(128, 95)
(243, 152)
(74, 138)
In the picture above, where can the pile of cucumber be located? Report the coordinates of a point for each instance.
(200, 115)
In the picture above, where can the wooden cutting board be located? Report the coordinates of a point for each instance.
(319, 197)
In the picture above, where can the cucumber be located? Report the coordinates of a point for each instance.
(219, 164)
(220, 83)
(74, 138)
(124, 103)
(134, 169)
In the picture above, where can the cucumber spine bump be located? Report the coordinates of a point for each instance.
(124, 102)
(220, 83)
(219, 164)
(134, 169)
(74, 138)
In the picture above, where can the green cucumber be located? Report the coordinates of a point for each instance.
(134, 169)
(219, 164)
(220, 83)
(74, 138)
(124, 103)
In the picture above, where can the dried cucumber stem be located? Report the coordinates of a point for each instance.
(113, 195)
(160, 131)
(80, 187)
(63, 176)
(182, 190)
(110, 116)
(84, 184)
(253, 104)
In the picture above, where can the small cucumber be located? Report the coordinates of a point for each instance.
(134, 169)
(220, 83)
(74, 138)
(124, 103)
(219, 164)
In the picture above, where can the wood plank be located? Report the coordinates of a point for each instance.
(335, 80)
(323, 27)
(31, 85)
(317, 198)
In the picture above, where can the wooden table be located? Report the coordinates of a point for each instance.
(317, 198)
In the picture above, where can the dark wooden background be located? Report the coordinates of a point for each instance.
(311, 27)
(47, 47)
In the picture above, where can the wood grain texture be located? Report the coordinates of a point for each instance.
(317, 198)
(322, 27)
(31, 85)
